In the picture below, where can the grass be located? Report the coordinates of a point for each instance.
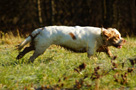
(55, 68)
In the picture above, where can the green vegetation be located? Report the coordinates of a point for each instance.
(57, 68)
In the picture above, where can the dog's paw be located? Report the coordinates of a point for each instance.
(114, 57)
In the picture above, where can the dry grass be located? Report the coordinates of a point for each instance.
(59, 68)
(9, 38)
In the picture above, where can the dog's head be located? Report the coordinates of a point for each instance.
(112, 37)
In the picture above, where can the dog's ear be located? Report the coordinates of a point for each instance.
(105, 33)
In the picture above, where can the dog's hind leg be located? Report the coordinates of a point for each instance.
(26, 50)
(37, 53)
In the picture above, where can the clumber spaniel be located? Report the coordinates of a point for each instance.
(78, 39)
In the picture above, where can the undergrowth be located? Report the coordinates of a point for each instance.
(58, 68)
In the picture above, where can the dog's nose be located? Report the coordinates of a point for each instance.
(124, 41)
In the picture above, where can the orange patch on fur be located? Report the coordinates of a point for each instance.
(72, 35)
(110, 34)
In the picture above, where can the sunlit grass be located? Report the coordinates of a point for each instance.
(57, 63)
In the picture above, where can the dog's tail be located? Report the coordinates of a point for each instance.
(28, 39)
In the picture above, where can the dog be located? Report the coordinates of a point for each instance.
(75, 38)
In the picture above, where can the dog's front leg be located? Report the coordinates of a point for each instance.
(90, 52)
(108, 52)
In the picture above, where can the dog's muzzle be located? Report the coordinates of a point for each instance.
(120, 43)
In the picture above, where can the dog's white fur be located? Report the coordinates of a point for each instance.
(88, 38)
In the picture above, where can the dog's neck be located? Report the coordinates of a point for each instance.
(103, 40)
(100, 42)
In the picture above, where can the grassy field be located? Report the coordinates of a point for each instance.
(62, 69)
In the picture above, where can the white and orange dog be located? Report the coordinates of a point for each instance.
(78, 39)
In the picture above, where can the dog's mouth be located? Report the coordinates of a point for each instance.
(120, 46)
(117, 46)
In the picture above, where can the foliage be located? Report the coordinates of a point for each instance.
(59, 68)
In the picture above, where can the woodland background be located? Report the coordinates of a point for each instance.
(26, 15)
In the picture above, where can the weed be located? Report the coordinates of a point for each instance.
(55, 69)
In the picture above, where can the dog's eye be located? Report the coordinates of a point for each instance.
(116, 37)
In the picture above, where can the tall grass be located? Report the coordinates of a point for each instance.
(57, 67)
(9, 38)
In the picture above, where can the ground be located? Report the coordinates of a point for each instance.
(59, 68)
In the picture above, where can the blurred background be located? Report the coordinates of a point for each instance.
(26, 15)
